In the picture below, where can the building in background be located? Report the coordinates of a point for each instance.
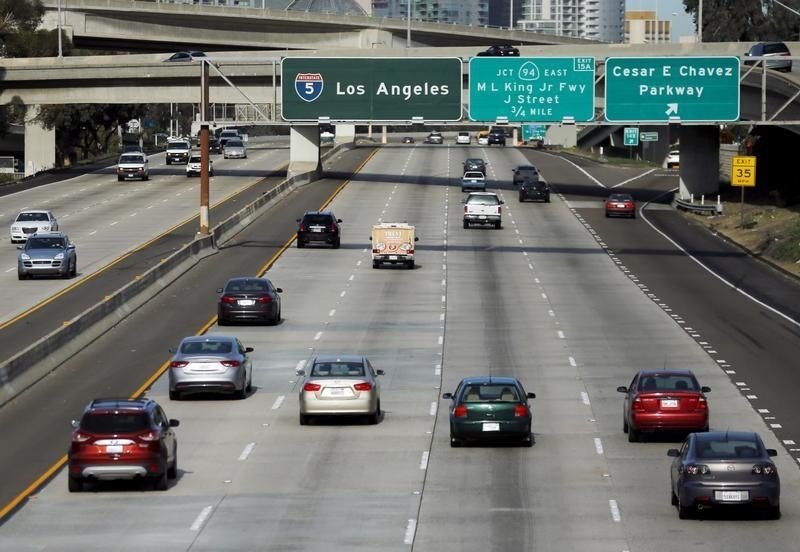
(462, 12)
(593, 19)
(643, 26)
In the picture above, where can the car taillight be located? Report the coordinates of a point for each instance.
(637, 404)
(149, 436)
(79, 437)
(312, 387)
(303, 228)
(227, 299)
(364, 386)
(521, 410)
(765, 469)
(331, 228)
(465, 208)
(230, 363)
(178, 364)
(460, 411)
(376, 250)
(702, 404)
(410, 251)
(499, 210)
(697, 469)
(264, 299)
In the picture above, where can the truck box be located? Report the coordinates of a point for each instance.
(393, 242)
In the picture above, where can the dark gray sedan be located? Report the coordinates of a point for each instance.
(716, 469)
(249, 300)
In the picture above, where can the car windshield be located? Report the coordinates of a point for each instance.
(337, 369)
(234, 144)
(473, 162)
(206, 347)
(523, 170)
(247, 285)
(483, 200)
(179, 145)
(620, 197)
(316, 219)
(668, 382)
(194, 159)
(45, 243)
(474, 174)
(119, 422)
(131, 159)
(32, 217)
(720, 448)
(491, 392)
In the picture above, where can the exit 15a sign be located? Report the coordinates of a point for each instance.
(672, 89)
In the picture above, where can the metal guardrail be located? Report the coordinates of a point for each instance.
(701, 207)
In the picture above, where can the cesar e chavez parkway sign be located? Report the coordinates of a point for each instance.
(371, 89)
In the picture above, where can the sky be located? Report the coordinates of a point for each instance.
(682, 24)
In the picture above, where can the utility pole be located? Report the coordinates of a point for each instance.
(204, 105)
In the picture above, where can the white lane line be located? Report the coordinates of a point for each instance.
(789, 442)
(740, 383)
(432, 410)
(441, 339)
(359, 263)
(201, 518)
(332, 312)
(342, 294)
(535, 279)
(560, 334)
(751, 397)
(572, 362)
(531, 267)
(437, 370)
(278, 402)
(246, 452)
(423, 463)
(13, 268)
(633, 178)
(775, 426)
(612, 504)
(585, 398)
(444, 298)
(444, 282)
(114, 223)
(411, 528)
(352, 277)
(763, 410)
(551, 313)
(317, 336)
(441, 317)
(598, 445)
(132, 215)
(544, 296)
(93, 232)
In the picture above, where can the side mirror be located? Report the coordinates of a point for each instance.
(379, 372)
(622, 389)
(172, 350)
(531, 395)
(21, 247)
(447, 395)
(416, 239)
(772, 452)
(674, 453)
(297, 220)
(279, 290)
(370, 238)
(705, 389)
(502, 202)
(300, 372)
(174, 423)
(248, 349)
(219, 290)
(74, 424)
(338, 220)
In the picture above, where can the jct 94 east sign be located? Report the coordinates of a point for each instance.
(371, 89)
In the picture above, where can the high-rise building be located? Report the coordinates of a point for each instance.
(592, 19)
(642, 26)
(463, 12)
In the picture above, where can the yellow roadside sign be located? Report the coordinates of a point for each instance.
(743, 171)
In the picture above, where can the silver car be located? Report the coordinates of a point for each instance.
(719, 469)
(340, 385)
(210, 363)
(30, 221)
(234, 148)
(48, 253)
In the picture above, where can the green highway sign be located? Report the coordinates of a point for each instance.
(531, 89)
(630, 136)
(672, 89)
(533, 132)
(648, 136)
(371, 89)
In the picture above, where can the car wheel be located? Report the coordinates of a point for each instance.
(241, 393)
(497, 225)
(174, 395)
(172, 471)
(375, 417)
(684, 512)
(275, 319)
(527, 441)
(774, 512)
(169, 162)
(375, 264)
(454, 442)
(337, 243)
(300, 243)
(74, 484)
(673, 499)
(410, 264)
(466, 224)
(74, 271)
(624, 425)
(146, 177)
(305, 419)
(120, 179)
(160, 482)
(633, 435)
(222, 321)
(547, 198)
(521, 199)
(249, 387)
(22, 276)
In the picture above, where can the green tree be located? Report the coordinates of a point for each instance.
(744, 20)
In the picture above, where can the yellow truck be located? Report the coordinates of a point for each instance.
(393, 243)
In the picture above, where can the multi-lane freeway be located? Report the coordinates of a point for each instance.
(571, 303)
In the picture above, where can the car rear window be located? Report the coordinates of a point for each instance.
(722, 448)
(234, 144)
(247, 285)
(206, 347)
(324, 369)
(777, 48)
(668, 383)
(491, 392)
(118, 422)
(317, 219)
(620, 197)
(32, 217)
(483, 200)
(45, 243)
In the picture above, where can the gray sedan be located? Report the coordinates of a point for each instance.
(210, 363)
(340, 385)
(717, 469)
(234, 148)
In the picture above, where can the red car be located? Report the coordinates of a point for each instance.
(123, 439)
(664, 400)
(620, 205)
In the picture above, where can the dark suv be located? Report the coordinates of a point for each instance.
(533, 188)
(475, 164)
(497, 137)
(776, 50)
(525, 172)
(318, 226)
(123, 439)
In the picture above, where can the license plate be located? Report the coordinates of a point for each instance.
(731, 496)
(317, 228)
(669, 403)
(392, 257)
(247, 302)
(113, 449)
(337, 391)
(491, 426)
(481, 217)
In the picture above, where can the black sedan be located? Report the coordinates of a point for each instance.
(534, 189)
(500, 50)
(719, 469)
(249, 300)
(490, 408)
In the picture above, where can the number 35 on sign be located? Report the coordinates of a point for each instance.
(743, 171)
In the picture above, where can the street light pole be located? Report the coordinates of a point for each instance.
(511, 19)
(408, 25)
(700, 22)
(60, 55)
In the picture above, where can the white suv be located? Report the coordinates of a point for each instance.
(463, 138)
(193, 166)
(132, 165)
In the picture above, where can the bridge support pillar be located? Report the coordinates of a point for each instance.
(304, 151)
(565, 135)
(345, 133)
(699, 168)
(40, 144)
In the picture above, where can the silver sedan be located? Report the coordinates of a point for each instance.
(723, 469)
(340, 385)
(210, 363)
(234, 149)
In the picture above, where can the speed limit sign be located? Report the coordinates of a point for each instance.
(743, 171)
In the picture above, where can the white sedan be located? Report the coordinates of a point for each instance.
(673, 159)
(31, 221)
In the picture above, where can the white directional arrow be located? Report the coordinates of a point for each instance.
(672, 109)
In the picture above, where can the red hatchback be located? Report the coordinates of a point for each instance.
(123, 439)
(621, 205)
(664, 400)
